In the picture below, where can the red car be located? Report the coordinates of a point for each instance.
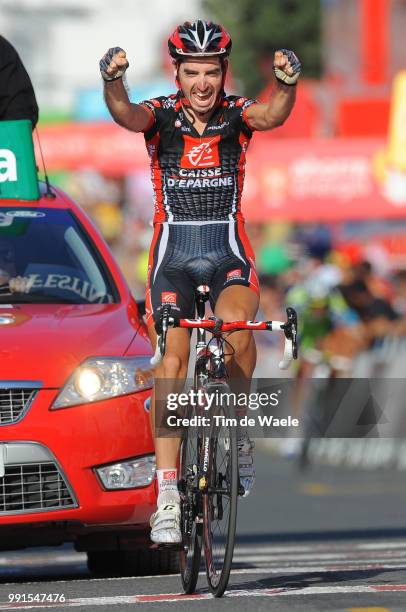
(77, 459)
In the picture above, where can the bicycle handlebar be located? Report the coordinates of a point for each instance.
(289, 328)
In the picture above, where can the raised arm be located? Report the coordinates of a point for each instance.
(273, 114)
(131, 116)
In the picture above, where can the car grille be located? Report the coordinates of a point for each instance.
(13, 403)
(32, 487)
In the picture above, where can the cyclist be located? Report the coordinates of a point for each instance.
(197, 140)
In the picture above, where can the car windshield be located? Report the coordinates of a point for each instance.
(46, 257)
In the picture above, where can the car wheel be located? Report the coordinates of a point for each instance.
(133, 563)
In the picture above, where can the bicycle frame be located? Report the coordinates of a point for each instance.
(203, 348)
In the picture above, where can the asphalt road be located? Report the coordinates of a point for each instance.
(329, 539)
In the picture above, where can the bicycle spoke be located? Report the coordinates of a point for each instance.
(190, 553)
(220, 507)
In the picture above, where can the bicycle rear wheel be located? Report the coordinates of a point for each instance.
(220, 499)
(191, 548)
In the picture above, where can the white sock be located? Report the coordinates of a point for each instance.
(167, 486)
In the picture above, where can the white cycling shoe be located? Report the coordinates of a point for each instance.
(165, 524)
(246, 462)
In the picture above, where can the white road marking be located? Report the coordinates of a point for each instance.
(175, 597)
(336, 547)
(384, 545)
(312, 558)
(315, 569)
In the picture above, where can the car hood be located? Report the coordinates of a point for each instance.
(47, 342)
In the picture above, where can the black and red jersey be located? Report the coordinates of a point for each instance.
(197, 178)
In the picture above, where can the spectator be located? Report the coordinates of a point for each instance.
(17, 97)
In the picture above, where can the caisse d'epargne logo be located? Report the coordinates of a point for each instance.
(205, 154)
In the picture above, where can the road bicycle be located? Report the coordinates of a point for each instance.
(209, 483)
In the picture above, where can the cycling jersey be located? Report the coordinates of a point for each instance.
(199, 236)
(197, 177)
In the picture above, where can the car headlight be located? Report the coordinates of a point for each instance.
(128, 474)
(103, 378)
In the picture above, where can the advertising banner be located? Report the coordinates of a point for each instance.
(101, 146)
(319, 180)
(304, 180)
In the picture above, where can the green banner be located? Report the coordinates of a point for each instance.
(18, 171)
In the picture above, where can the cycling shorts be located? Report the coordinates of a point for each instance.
(186, 255)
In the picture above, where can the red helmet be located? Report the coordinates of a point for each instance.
(201, 38)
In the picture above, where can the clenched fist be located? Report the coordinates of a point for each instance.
(286, 66)
(113, 64)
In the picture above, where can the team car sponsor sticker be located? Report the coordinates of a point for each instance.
(5, 220)
(62, 284)
(201, 153)
(7, 217)
(26, 214)
(234, 274)
(168, 297)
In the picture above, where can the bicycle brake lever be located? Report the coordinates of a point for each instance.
(290, 329)
(161, 327)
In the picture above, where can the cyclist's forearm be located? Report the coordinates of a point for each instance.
(128, 115)
(281, 103)
(276, 111)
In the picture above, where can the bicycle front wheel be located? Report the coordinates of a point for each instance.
(191, 527)
(220, 499)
